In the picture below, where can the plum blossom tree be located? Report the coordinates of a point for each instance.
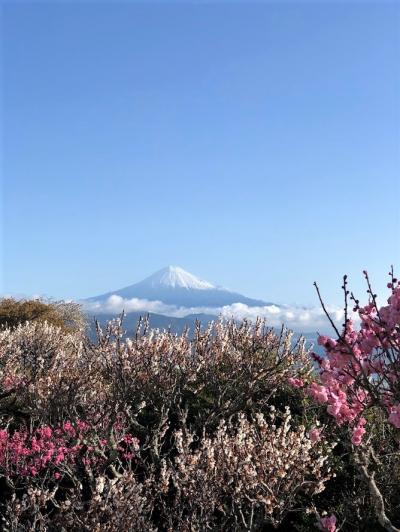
(157, 431)
(359, 373)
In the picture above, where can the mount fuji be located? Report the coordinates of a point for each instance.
(172, 298)
(175, 286)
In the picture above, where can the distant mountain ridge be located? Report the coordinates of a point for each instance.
(156, 321)
(173, 285)
(177, 325)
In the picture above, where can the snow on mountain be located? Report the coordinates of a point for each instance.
(175, 286)
(174, 277)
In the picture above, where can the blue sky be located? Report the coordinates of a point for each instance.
(256, 145)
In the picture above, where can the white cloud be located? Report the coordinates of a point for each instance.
(116, 304)
(297, 318)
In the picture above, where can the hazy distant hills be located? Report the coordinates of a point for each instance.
(157, 321)
(174, 286)
(176, 325)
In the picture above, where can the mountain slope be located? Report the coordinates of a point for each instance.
(174, 286)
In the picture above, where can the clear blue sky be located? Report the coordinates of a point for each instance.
(256, 145)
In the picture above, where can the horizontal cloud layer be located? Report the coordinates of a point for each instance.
(297, 318)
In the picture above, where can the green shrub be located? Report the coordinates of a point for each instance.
(66, 315)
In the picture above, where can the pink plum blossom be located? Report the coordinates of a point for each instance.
(358, 432)
(296, 382)
(360, 369)
(314, 435)
(328, 524)
(394, 416)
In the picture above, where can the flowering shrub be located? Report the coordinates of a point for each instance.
(360, 373)
(251, 471)
(116, 504)
(24, 453)
(103, 436)
(232, 429)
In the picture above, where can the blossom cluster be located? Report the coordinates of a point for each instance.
(328, 524)
(46, 448)
(266, 460)
(361, 367)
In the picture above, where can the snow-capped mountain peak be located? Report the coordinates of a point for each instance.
(176, 277)
(175, 286)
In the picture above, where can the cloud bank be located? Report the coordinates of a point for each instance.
(300, 319)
